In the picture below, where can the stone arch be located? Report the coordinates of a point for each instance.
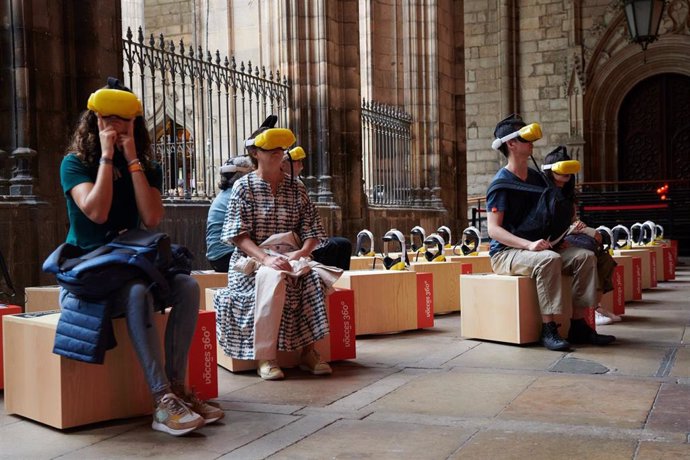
(616, 68)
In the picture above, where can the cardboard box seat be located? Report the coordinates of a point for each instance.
(339, 345)
(390, 301)
(504, 308)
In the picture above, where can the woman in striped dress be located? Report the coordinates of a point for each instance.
(264, 203)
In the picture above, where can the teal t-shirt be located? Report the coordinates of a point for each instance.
(85, 233)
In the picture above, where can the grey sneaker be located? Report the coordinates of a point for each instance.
(210, 412)
(172, 416)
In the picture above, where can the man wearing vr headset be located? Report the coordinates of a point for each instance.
(263, 204)
(515, 255)
(111, 183)
(217, 253)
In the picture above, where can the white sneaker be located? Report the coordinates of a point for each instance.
(611, 315)
(600, 319)
(269, 370)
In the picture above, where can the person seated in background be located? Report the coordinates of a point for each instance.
(520, 249)
(580, 234)
(334, 251)
(267, 307)
(218, 253)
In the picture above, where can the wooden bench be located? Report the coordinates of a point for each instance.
(47, 298)
(339, 345)
(614, 301)
(208, 279)
(648, 265)
(5, 310)
(65, 393)
(481, 263)
(366, 263)
(446, 276)
(665, 266)
(632, 276)
(390, 301)
(504, 308)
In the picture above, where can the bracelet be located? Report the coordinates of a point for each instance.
(134, 167)
(131, 162)
(105, 161)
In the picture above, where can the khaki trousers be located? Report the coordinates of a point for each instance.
(546, 268)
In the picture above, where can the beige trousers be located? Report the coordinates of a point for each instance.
(546, 268)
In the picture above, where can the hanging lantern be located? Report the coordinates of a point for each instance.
(643, 17)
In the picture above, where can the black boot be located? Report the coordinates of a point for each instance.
(580, 332)
(551, 339)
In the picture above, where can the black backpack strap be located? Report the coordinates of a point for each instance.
(509, 184)
(6, 275)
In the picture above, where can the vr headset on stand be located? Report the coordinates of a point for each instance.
(469, 244)
(401, 262)
(417, 237)
(444, 232)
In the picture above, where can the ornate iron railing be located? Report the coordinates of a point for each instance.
(198, 108)
(386, 155)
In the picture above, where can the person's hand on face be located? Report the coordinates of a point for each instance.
(117, 132)
(108, 137)
(125, 141)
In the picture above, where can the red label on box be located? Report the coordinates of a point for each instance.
(425, 300)
(5, 310)
(341, 322)
(202, 370)
(465, 269)
(589, 318)
(652, 268)
(669, 266)
(637, 278)
(619, 290)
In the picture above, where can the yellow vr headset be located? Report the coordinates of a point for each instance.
(272, 139)
(109, 102)
(530, 133)
(296, 154)
(563, 167)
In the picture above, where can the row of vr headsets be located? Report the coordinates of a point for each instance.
(431, 247)
(620, 237)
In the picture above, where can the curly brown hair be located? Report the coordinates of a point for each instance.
(86, 143)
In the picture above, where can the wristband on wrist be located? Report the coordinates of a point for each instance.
(105, 161)
(131, 162)
(134, 167)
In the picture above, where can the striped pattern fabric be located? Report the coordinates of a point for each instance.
(253, 209)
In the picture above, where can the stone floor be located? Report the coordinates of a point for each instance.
(431, 394)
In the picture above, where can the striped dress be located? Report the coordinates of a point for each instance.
(254, 210)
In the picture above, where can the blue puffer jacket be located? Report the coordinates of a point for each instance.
(85, 330)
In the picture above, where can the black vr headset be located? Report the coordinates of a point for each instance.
(365, 244)
(401, 262)
(469, 244)
(417, 237)
(433, 248)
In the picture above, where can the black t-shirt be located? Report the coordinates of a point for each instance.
(514, 204)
